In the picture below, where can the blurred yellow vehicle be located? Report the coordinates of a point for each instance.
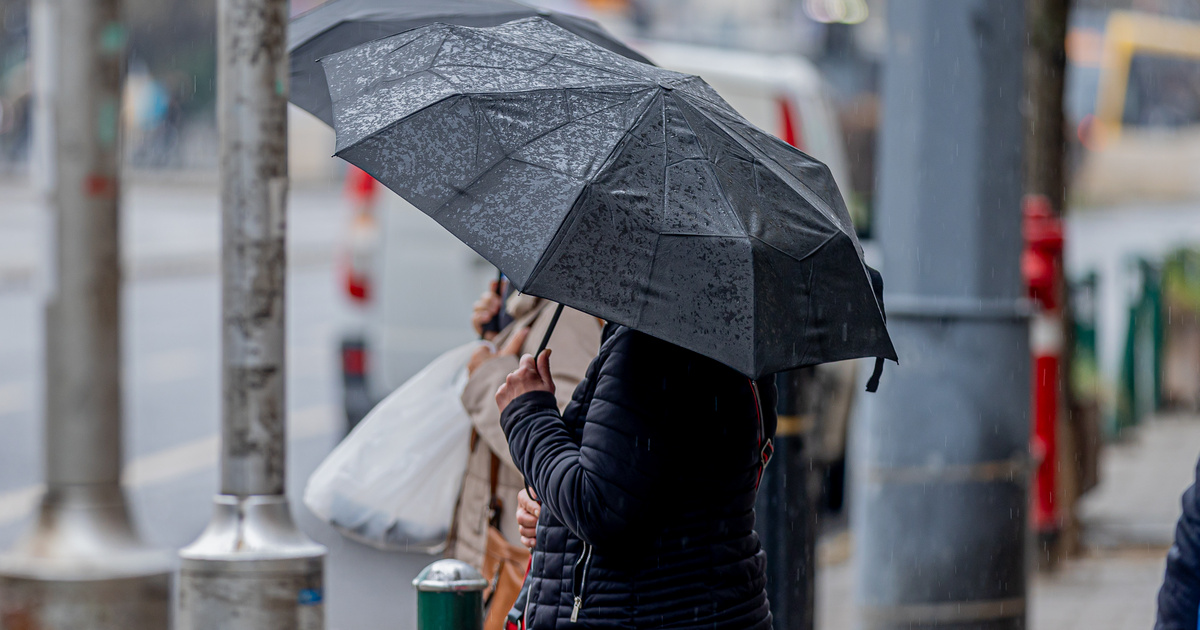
(1133, 96)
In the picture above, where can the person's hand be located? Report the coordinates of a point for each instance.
(484, 352)
(530, 376)
(486, 308)
(528, 511)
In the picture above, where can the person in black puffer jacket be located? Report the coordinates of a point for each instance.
(1179, 596)
(647, 482)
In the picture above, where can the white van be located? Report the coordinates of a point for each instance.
(409, 262)
(781, 94)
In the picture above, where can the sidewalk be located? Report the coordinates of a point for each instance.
(1129, 521)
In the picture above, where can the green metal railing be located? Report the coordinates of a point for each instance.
(1139, 392)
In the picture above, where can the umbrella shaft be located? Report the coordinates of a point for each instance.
(550, 330)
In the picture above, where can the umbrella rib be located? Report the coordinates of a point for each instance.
(775, 167)
(812, 269)
(666, 165)
(577, 62)
(638, 87)
(699, 94)
(724, 193)
(382, 81)
(817, 202)
(410, 42)
(478, 126)
(726, 172)
(539, 136)
(641, 85)
(384, 128)
(469, 95)
(507, 155)
(556, 241)
(535, 138)
(812, 252)
(645, 288)
(542, 166)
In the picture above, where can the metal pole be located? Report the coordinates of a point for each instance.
(786, 509)
(82, 565)
(252, 568)
(942, 459)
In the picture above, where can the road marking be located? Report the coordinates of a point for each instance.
(171, 463)
(177, 461)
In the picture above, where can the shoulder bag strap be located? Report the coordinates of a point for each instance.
(766, 446)
(495, 504)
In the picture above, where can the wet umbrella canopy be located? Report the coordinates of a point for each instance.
(341, 24)
(629, 192)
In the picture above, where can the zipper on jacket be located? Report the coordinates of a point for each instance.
(580, 581)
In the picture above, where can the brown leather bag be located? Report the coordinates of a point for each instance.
(503, 563)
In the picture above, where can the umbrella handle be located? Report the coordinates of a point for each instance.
(549, 331)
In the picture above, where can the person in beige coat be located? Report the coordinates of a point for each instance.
(575, 341)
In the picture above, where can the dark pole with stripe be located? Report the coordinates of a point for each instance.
(786, 512)
(941, 459)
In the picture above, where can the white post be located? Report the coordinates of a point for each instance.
(82, 564)
(252, 568)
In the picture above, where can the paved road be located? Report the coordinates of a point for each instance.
(171, 340)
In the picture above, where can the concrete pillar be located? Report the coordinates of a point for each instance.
(940, 507)
(252, 568)
(82, 565)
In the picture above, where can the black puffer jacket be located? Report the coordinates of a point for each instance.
(1179, 597)
(647, 482)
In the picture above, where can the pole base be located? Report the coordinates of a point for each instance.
(251, 569)
(82, 565)
(135, 603)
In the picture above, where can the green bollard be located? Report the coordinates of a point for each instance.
(449, 596)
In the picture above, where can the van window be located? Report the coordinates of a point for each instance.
(1162, 92)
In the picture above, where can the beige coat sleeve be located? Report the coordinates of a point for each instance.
(575, 341)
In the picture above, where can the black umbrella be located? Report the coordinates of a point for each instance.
(629, 192)
(341, 24)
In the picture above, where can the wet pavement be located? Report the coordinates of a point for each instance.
(1129, 523)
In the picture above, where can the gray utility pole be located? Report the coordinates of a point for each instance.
(82, 564)
(252, 568)
(942, 459)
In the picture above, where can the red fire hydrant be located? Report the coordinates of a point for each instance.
(1041, 264)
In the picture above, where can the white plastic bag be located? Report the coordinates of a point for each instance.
(394, 481)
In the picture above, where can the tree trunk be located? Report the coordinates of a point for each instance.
(1045, 174)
